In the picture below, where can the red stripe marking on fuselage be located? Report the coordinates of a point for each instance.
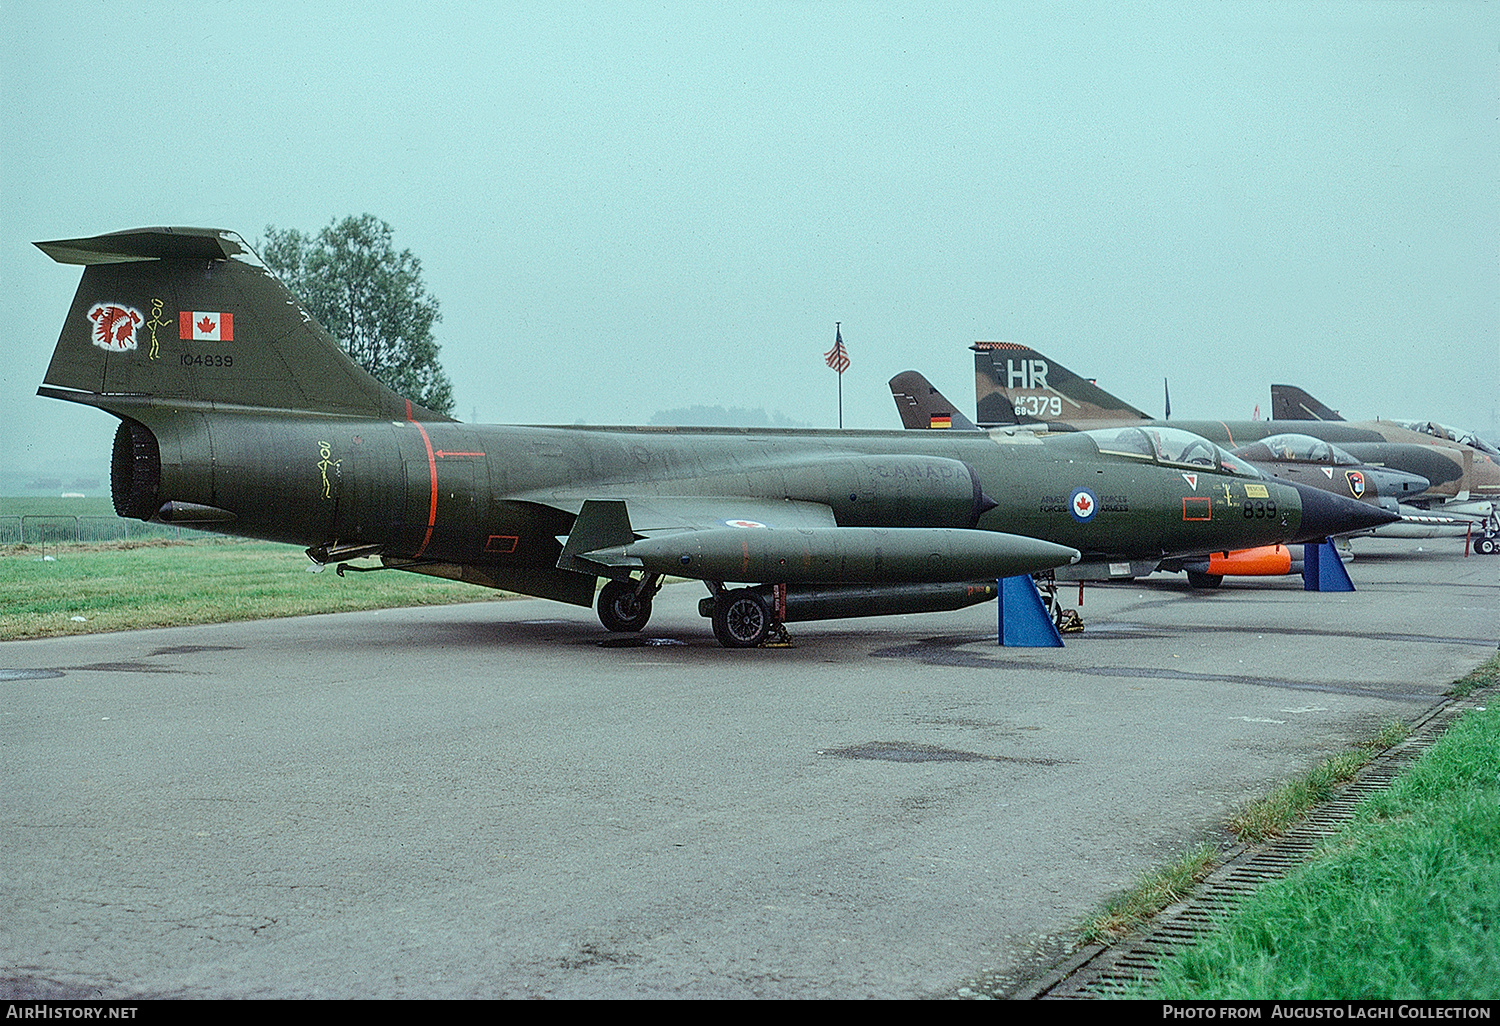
(432, 478)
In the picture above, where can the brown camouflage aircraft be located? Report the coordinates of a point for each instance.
(240, 414)
(1290, 403)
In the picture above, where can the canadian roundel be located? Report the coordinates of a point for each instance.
(1083, 505)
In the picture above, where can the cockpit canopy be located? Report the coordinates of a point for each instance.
(1171, 445)
(1452, 434)
(1296, 449)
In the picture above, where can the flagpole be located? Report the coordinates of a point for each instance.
(837, 359)
(837, 335)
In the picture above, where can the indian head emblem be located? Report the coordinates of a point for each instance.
(114, 326)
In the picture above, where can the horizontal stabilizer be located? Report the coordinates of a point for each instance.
(146, 244)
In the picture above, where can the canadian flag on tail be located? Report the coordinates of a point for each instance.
(205, 326)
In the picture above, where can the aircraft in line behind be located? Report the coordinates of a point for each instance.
(1288, 402)
(1308, 461)
(1017, 385)
(239, 414)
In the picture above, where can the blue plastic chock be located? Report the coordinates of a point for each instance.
(1024, 619)
(1322, 570)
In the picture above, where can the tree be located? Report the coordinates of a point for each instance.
(370, 298)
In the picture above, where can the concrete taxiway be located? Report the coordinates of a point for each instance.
(502, 800)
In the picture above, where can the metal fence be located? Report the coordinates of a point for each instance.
(51, 528)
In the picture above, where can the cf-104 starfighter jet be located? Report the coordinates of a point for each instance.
(240, 414)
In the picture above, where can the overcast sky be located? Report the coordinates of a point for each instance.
(631, 207)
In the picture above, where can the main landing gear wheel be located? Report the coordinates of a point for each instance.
(1198, 579)
(1487, 545)
(621, 609)
(741, 619)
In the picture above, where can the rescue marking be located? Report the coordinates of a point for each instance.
(1197, 507)
(432, 478)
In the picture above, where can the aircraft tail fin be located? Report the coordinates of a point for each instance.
(1288, 402)
(1015, 384)
(921, 405)
(190, 317)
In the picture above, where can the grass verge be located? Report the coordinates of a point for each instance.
(1485, 676)
(1402, 904)
(1270, 816)
(1150, 896)
(83, 588)
(1259, 820)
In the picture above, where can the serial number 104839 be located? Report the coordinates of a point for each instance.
(207, 360)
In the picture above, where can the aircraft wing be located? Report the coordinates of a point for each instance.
(651, 515)
(605, 529)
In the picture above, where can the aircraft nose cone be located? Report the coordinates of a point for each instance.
(1398, 484)
(1325, 514)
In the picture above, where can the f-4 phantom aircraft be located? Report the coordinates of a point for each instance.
(1288, 402)
(1425, 517)
(240, 414)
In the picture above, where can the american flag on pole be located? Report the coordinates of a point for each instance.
(838, 356)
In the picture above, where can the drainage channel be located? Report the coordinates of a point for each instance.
(1104, 971)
